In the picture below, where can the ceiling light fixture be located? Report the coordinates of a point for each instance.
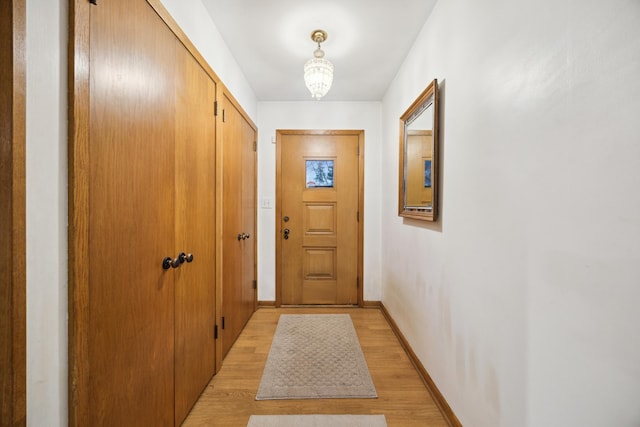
(318, 72)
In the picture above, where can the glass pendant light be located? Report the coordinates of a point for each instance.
(318, 72)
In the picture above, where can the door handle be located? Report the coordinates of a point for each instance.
(243, 236)
(286, 234)
(185, 257)
(169, 262)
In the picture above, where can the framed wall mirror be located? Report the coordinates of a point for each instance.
(418, 184)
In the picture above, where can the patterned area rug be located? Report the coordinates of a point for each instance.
(317, 421)
(315, 356)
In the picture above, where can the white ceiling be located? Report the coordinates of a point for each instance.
(367, 41)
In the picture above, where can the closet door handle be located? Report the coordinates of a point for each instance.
(185, 257)
(286, 233)
(169, 262)
(175, 263)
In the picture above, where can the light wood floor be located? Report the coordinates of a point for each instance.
(229, 399)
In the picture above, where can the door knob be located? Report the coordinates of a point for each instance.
(286, 234)
(285, 219)
(246, 236)
(166, 263)
(185, 257)
(175, 263)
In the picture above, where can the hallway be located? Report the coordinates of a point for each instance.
(229, 399)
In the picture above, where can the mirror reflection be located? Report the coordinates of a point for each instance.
(418, 157)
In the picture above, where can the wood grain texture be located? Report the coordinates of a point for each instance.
(320, 261)
(131, 219)
(229, 400)
(195, 231)
(238, 218)
(78, 237)
(12, 214)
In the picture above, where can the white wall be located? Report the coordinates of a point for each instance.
(46, 213)
(47, 364)
(318, 115)
(521, 301)
(194, 19)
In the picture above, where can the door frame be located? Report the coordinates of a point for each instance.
(360, 269)
(13, 335)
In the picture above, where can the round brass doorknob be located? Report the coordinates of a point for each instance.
(175, 263)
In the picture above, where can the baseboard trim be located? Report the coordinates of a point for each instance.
(371, 304)
(444, 407)
(262, 304)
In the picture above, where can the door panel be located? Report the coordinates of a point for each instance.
(249, 212)
(238, 257)
(319, 203)
(131, 226)
(195, 231)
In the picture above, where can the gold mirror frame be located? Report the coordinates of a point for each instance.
(418, 192)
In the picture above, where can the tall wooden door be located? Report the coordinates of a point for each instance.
(131, 223)
(238, 223)
(195, 232)
(319, 197)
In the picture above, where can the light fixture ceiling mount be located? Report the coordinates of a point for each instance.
(318, 72)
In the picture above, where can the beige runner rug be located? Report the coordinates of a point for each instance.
(315, 356)
(317, 421)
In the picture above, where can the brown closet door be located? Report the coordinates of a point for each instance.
(249, 211)
(195, 231)
(238, 257)
(131, 225)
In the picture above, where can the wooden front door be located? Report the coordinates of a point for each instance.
(319, 197)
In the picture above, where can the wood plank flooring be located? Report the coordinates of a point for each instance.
(229, 399)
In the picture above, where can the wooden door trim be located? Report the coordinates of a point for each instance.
(78, 175)
(13, 212)
(360, 267)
